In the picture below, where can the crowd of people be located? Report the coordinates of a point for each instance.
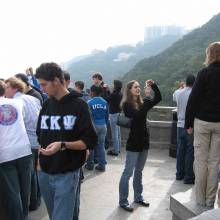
(49, 131)
(59, 129)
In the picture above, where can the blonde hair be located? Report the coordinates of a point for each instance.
(16, 83)
(128, 97)
(212, 53)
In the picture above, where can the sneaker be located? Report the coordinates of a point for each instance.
(100, 169)
(127, 208)
(88, 167)
(33, 207)
(112, 153)
(143, 203)
(189, 182)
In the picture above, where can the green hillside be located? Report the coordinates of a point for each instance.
(183, 57)
(116, 61)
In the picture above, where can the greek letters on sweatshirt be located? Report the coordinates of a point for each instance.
(67, 119)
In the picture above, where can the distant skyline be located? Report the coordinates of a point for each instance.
(39, 31)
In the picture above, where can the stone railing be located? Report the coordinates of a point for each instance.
(160, 127)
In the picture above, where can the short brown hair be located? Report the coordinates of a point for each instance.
(97, 75)
(16, 83)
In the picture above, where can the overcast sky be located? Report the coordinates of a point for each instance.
(36, 31)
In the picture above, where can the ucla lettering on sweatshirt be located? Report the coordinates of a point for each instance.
(100, 110)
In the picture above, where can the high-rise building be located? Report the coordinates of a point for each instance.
(154, 32)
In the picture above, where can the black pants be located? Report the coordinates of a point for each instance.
(15, 182)
(35, 197)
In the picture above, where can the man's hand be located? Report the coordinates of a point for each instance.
(51, 148)
(189, 130)
(38, 165)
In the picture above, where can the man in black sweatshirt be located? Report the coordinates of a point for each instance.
(64, 131)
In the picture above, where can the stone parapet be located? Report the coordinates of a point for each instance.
(183, 207)
(160, 134)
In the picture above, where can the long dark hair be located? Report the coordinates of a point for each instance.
(128, 97)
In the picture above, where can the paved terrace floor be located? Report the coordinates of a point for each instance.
(99, 192)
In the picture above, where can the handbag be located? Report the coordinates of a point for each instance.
(123, 121)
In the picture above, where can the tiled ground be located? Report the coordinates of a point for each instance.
(99, 193)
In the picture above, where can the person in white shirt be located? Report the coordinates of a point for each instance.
(32, 106)
(15, 159)
(176, 92)
(185, 149)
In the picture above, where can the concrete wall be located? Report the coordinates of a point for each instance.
(160, 134)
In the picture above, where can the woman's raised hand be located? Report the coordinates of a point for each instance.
(149, 82)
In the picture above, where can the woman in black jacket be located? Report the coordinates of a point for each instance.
(203, 116)
(138, 141)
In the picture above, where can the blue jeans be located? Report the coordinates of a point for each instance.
(60, 193)
(135, 162)
(15, 185)
(185, 156)
(101, 131)
(116, 133)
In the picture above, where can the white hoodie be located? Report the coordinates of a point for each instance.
(14, 142)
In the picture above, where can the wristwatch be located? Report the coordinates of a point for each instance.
(63, 146)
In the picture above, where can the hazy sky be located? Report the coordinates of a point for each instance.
(36, 31)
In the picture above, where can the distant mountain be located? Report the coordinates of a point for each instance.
(75, 60)
(115, 61)
(185, 56)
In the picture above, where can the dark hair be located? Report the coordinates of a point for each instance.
(66, 75)
(49, 71)
(117, 85)
(190, 79)
(80, 84)
(96, 90)
(23, 78)
(97, 75)
(2, 88)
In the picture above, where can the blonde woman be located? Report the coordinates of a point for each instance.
(138, 141)
(203, 113)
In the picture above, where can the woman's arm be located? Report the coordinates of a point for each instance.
(194, 99)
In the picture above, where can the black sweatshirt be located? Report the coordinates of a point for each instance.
(138, 139)
(67, 119)
(114, 100)
(204, 100)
